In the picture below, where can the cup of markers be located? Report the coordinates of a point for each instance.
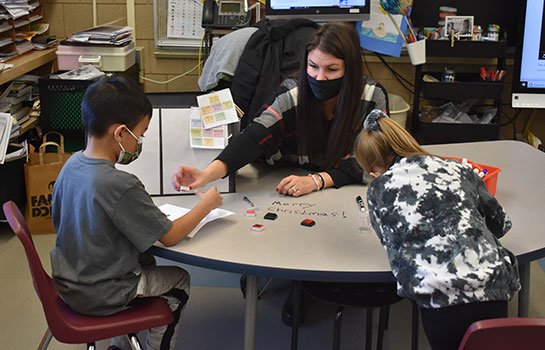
(488, 173)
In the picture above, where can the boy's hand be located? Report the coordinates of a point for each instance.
(211, 199)
(189, 177)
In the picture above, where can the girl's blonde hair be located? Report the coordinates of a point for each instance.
(378, 148)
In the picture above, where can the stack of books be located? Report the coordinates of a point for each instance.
(17, 99)
(42, 42)
(103, 35)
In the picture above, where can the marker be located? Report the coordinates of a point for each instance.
(249, 201)
(360, 204)
(483, 173)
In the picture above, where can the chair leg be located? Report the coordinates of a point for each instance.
(387, 317)
(262, 290)
(297, 290)
(337, 328)
(46, 339)
(369, 329)
(414, 340)
(382, 319)
(133, 341)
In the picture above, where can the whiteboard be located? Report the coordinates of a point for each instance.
(177, 150)
(166, 147)
(148, 165)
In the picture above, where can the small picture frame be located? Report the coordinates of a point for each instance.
(462, 26)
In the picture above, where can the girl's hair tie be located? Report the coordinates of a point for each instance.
(370, 123)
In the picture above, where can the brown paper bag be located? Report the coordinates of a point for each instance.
(41, 172)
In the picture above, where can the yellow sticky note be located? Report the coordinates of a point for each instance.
(208, 118)
(208, 142)
(214, 98)
(196, 132)
(227, 104)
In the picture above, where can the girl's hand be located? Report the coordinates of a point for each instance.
(296, 185)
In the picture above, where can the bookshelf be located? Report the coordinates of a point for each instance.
(29, 61)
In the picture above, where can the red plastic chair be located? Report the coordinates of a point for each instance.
(66, 325)
(505, 334)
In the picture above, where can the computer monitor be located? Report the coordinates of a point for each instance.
(319, 10)
(529, 73)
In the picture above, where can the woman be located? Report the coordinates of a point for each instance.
(440, 228)
(310, 122)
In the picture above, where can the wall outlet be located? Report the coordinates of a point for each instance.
(140, 63)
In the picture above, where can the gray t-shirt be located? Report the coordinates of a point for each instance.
(104, 219)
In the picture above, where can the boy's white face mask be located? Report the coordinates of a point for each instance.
(127, 157)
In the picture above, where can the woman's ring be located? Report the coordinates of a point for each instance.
(293, 189)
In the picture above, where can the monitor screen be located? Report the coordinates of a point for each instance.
(529, 74)
(319, 10)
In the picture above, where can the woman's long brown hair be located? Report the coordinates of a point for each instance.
(341, 41)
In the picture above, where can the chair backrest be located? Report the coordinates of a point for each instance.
(505, 333)
(43, 284)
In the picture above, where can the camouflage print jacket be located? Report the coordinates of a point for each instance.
(440, 228)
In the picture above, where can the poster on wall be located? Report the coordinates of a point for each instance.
(379, 34)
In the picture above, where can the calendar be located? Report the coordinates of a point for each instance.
(184, 19)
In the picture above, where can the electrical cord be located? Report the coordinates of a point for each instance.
(200, 53)
(511, 120)
(398, 76)
(174, 78)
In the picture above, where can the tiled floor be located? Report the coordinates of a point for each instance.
(214, 317)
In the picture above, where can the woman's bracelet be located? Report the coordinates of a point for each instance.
(321, 179)
(315, 181)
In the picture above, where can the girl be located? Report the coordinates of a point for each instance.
(440, 228)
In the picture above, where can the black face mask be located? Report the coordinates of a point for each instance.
(323, 90)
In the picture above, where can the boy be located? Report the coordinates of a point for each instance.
(105, 219)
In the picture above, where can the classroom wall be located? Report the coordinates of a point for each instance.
(68, 16)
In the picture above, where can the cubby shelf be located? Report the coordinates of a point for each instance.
(466, 86)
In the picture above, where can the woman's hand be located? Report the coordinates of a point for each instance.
(188, 176)
(296, 185)
(191, 177)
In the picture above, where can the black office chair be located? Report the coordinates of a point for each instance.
(363, 295)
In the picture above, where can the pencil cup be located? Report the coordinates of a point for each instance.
(417, 52)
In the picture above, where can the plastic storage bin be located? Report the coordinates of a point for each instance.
(398, 109)
(60, 102)
(490, 179)
(105, 58)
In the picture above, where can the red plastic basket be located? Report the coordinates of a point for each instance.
(490, 179)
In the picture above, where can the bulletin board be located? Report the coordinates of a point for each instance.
(178, 24)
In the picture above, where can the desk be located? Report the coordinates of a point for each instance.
(334, 249)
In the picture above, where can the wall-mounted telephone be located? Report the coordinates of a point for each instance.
(229, 14)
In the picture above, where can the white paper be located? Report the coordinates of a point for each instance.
(217, 108)
(174, 212)
(200, 137)
(6, 121)
(86, 72)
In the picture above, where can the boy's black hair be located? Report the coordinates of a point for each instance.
(113, 100)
